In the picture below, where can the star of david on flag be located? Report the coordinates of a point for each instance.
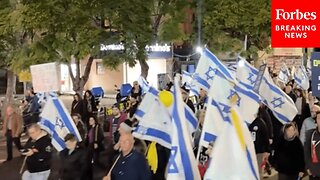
(59, 123)
(56, 120)
(210, 73)
(250, 78)
(220, 95)
(281, 105)
(204, 73)
(277, 102)
(182, 163)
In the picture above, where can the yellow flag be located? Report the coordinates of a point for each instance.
(152, 157)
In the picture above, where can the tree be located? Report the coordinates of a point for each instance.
(146, 22)
(11, 41)
(74, 29)
(64, 31)
(70, 31)
(227, 22)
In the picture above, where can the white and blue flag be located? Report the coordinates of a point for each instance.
(246, 73)
(187, 78)
(56, 120)
(205, 71)
(154, 120)
(43, 98)
(143, 84)
(309, 68)
(233, 156)
(278, 101)
(284, 74)
(220, 95)
(182, 164)
(301, 78)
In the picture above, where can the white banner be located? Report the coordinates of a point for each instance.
(45, 77)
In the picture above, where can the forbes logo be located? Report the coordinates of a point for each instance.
(281, 14)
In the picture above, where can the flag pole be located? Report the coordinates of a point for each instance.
(23, 164)
(115, 162)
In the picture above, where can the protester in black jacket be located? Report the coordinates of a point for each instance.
(89, 107)
(77, 105)
(263, 113)
(81, 128)
(312, 151)
(38, 151)
(94, 140)
(260, 137)
(289, 154)
(75, 163)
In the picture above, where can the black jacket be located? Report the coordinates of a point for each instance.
(41, 160)
(259, 132)
(77, 107)
(74, 166)
(89, 103)
(289, 156)
(264, 114)
(314, 167)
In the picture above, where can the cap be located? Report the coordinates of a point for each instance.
(126, 125)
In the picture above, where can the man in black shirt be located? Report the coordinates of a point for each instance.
(38, 151)
(74, 161)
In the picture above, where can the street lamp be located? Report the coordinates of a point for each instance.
(199, 49)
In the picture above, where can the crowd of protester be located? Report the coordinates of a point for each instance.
(292, 149)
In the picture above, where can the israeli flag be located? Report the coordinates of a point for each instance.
(233, 156)
(43, 98)
(182, 163)
(56, 120)
(232, 67)
(309, 68)
(301, 78)
(279, 102)
(154, 120)
(246, 74)
(187, 78)
(143, 84)
(205, 71)
(284, 74)
(220, 95)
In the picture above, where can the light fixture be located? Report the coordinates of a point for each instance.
(241, 62)
(199, 49)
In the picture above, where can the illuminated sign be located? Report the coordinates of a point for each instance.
(153, 51)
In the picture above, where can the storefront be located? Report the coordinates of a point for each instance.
(159, 61)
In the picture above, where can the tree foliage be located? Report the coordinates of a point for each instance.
(227, 22)
(72, 30)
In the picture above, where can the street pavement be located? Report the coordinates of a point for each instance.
(10, 170)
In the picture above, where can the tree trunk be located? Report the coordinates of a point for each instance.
(11, 86)
(144, 68)
(24, 87)
(77, 81)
